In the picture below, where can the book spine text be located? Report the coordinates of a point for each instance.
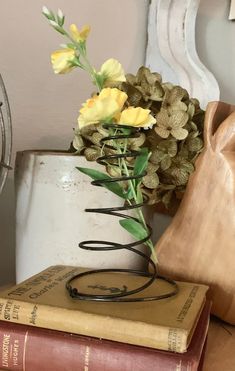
(29, 348)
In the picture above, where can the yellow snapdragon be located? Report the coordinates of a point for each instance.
(62, 60)
(136, 117)
(119, 96)
(112, 71)
(79, 36)
(102, 107)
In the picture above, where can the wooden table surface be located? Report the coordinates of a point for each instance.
(220, 352)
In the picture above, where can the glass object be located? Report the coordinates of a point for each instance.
(6, 134)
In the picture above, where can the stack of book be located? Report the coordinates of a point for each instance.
(43, 329)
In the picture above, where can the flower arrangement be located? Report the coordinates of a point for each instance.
(147, 132)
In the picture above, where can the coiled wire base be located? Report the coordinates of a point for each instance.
(120, 132)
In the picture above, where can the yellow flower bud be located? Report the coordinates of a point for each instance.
(112, 71)
(61, 60)
(136, 116)
(79, 36)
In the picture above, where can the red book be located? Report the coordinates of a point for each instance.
(26, 348)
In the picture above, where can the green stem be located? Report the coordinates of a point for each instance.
(138, 211)
(90, 70)
(86, 64)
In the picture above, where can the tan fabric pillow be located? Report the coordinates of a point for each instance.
(199, 244)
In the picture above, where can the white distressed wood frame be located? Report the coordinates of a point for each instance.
(232, 11)
(171, 48)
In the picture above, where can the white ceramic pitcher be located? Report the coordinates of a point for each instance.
(51, 195)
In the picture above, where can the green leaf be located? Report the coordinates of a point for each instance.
(141, 163)
(126, 131)
(98, 175)
(134, 228)
(59, 29)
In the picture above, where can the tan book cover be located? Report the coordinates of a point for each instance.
(43, 301)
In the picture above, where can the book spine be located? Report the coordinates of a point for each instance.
(200, 366)
(35, 349)
(115, 329)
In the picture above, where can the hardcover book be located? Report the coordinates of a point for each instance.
(24, 347)
(167, 324)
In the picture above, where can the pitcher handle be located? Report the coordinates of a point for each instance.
(6, 134)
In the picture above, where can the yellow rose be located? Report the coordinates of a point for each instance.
(112, 71)
(61, 60)
(79, 36)
(136, 116)
(102, 107)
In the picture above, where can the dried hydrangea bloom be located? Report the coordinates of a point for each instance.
(167, 124)
(173, 99)
(174, 141)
